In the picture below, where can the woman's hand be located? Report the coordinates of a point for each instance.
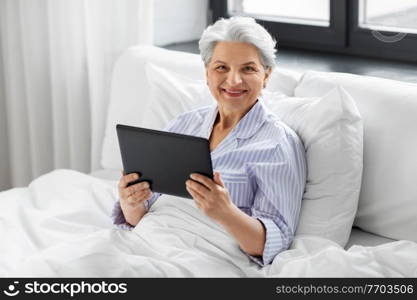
(211, 196)
(132, 198)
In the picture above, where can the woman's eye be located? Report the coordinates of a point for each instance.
(249, 69)
(221, 68)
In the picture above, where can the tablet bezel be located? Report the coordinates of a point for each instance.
(130, 167)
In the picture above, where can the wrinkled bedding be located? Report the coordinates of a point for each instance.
(59, 226)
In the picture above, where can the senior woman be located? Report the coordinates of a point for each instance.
(259, 162)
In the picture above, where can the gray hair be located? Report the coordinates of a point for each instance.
(238, 29)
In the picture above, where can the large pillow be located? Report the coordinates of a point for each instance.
(171, 94)
(388, 198)
(331, 130)
(130, 91)
(283, 81)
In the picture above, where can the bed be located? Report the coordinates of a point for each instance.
(60, 226)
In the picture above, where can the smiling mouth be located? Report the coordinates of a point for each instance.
(234, 93)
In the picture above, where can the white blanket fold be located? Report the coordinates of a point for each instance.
(60, 226)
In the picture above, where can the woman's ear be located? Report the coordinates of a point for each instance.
(268, 72)
(207, 76)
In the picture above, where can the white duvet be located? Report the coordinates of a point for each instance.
(60, 226)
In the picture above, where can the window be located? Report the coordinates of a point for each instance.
(309, 12)
(375, 28)
(388, 15)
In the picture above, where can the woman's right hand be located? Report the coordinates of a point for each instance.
(132, 198)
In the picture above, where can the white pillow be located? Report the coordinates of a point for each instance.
(130, 91)
(283, 81)
(388, 199)
(331, 130)
(172, 94)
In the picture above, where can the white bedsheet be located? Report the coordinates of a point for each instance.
(59, 226)
(357, 236)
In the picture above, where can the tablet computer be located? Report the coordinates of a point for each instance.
(164, 159)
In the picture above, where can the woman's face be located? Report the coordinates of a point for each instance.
(235, 75)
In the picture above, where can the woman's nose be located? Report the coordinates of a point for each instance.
(233, 78)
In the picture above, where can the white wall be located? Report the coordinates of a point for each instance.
(178, 21)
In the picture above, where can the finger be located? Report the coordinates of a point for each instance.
(123, 190)
(127, 179)
(131, 177)
(142, 186)
(127, 192)
(195, 192)
(134, 200)
(121, 177)
(122, 182)
(204, 180)
(201, 189)
(139, 197)
(143, 195)
(217, 179)
(137, 187)
(196, 196)
(124, 194)
(198, 202)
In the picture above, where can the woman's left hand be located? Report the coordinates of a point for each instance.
(211, 196)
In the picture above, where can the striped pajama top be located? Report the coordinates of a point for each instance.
(262, 164)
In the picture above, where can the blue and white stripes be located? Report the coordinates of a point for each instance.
(262, 163)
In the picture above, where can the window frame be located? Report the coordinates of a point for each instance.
(362, 42)
(343, 36)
